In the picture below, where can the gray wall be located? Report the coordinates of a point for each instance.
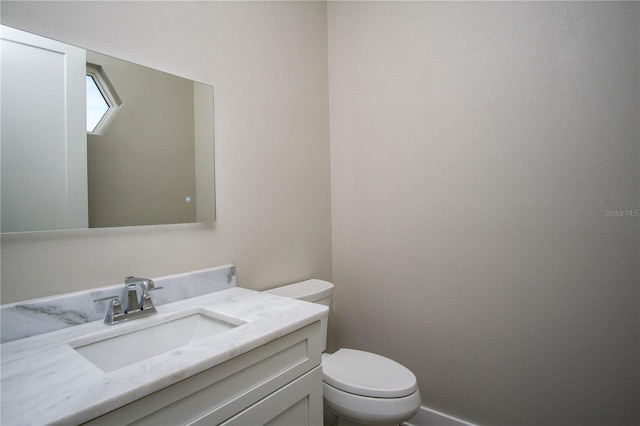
(475, 151)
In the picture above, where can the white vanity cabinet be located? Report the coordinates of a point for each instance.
(279, 383)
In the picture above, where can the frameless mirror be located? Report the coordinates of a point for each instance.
(90, 141)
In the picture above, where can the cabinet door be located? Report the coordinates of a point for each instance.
(297, 404)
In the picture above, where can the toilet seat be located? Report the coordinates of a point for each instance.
(367, 374)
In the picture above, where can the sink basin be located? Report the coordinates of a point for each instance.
(130, 343)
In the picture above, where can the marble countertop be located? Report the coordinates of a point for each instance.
(45, 381)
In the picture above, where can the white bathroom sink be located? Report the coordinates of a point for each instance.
(133, 342)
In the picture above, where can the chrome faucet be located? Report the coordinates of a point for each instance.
(133, 307)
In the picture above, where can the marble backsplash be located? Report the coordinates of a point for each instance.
(32, 317)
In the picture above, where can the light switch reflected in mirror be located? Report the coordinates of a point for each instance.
(148, 158)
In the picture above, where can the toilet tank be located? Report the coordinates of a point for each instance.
(315, 291)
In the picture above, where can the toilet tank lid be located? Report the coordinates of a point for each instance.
(309, 290)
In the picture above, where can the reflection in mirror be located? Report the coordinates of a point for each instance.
(147, 160)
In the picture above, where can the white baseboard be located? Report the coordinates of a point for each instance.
(429, 417)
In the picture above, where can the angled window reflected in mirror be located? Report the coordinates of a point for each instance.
(102, 100)
(97, 106)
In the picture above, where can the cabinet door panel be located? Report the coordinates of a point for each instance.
(297, 414)
(297, 404)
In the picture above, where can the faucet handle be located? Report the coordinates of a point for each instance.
(106, 298)
(145, 294)
(145, 301)
(115, 309)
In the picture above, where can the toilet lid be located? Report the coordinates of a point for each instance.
(366, 374)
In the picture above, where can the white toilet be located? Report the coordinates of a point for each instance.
(359, 388)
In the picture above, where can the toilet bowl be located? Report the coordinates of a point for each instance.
(358, 387)
(366, 388)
